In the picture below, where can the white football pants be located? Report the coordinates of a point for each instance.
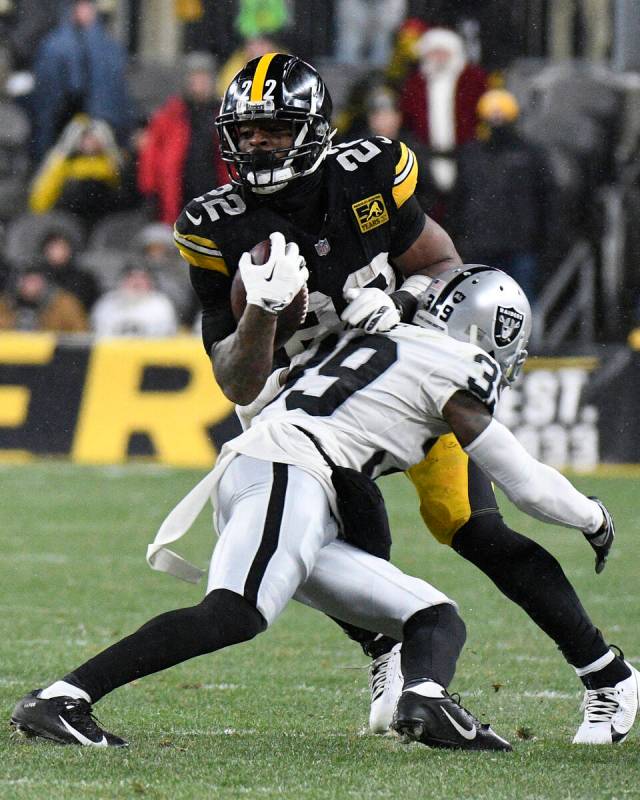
(278, 541)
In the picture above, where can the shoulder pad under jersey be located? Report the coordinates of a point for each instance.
(195, 231)
(377, 164)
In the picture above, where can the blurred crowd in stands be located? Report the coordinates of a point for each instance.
(518, 132)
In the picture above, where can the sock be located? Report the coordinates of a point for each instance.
(433, 639)
(63, 689)
(606, 671)
(530, 576)
(223, 618)
(373, 644)
(426, 688)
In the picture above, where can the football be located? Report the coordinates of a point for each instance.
(290, 318)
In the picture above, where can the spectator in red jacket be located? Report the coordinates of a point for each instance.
(439, 101)
(179, 158)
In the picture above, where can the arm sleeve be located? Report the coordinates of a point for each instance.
(538, 490)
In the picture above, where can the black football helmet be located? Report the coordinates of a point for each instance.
(276, 87)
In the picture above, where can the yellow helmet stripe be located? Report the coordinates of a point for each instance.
(257, 86)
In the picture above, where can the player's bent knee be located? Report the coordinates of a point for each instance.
(443, 617)
(232, 618)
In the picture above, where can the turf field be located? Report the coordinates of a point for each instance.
(284, 716)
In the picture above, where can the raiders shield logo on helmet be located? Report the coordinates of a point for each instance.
(508, 325)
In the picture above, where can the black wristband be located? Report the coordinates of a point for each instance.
(406, 304)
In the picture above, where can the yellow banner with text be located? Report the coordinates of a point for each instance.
(111, 400)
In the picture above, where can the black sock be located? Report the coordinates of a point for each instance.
(372, 644)
(530, 576)
(223, 618)
(613, 673)
(433, 639)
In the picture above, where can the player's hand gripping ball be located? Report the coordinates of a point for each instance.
(293, 314)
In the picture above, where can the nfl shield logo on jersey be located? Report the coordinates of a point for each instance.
(507, 326)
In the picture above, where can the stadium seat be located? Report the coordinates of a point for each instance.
(26, 232)
(151, 82)
(105, 264)
(14, 160)
(117, 231)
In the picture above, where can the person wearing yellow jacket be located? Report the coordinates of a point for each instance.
(81, 173)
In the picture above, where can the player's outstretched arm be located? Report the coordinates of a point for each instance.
(537, 489)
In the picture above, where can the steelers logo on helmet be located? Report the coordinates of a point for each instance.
(484, 306)
(276, 87)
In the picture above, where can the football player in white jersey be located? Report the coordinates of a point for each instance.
(369, 402)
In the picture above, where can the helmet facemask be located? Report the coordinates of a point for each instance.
(266, 171)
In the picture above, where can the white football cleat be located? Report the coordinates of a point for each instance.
(609, 713)
(385, 683)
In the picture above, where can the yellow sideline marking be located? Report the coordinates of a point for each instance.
(561, 362)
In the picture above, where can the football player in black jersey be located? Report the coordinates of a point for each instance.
(370, 251)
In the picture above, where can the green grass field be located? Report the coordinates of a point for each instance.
(284, 716)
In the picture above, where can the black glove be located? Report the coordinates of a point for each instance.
(602, 539)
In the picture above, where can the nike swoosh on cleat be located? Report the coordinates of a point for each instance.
(195, 220)
(80, 737)
(467, 734)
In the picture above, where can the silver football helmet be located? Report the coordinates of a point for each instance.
(484, 306)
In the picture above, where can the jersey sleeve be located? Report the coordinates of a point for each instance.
(409, 218)
(214, 292)
(451, 366)
(210, 276)
(196, 243)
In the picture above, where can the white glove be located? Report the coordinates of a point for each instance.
(273, 285)
(272, 387)
(370, 309)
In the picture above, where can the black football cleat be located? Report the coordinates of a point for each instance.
(65, 720)
(602, 539)
(428, 714)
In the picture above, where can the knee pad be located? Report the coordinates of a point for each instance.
(229, 618)
(444, 618)
(433, 639)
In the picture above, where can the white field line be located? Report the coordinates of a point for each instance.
(64, 558)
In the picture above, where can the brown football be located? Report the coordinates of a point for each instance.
(290, 318)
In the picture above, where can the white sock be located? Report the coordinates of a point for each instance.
(427, 689)
(597, 665)
(63, 689)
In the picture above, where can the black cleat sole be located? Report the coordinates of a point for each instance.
(415, 730)
(25, 732)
